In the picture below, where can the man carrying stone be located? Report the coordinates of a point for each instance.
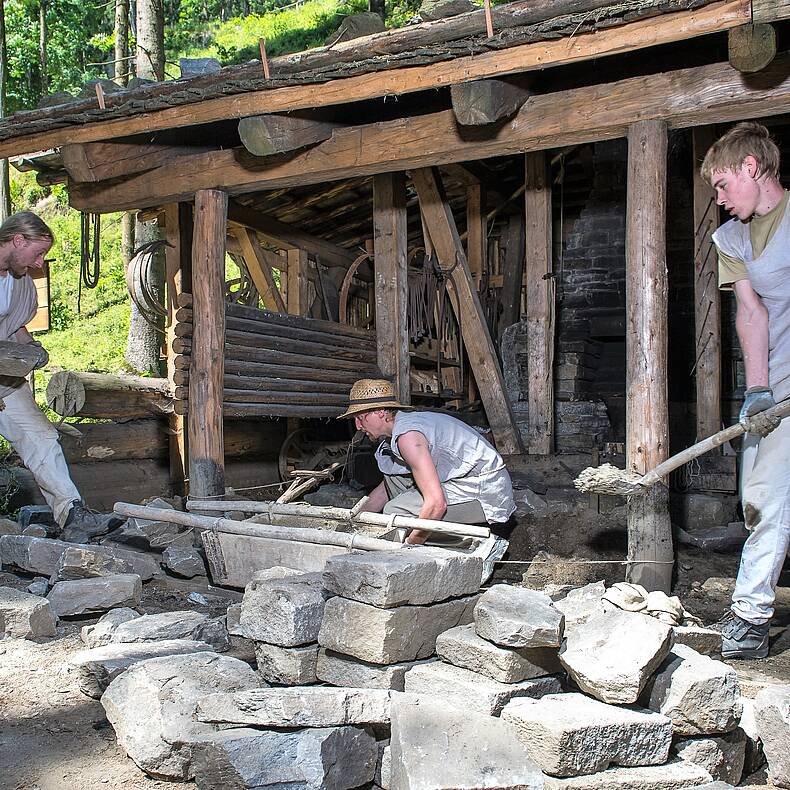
(754, 260)
(24, 241)
(435, 466)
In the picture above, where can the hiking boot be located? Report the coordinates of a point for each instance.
(82, 521)
(740, 638)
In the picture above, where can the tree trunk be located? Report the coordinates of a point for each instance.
(121, 65)
(42, 47)
(377, 7)
(5, 186)
(150, 40)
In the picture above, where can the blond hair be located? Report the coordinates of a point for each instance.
(26, 224)
(744, 139)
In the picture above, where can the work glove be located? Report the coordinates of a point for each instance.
(757, 400)
(43, 356)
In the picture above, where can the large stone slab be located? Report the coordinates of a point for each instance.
(470, 691)
(699, 694)
(612, 655)
(755, 756)
(286, 611)
(309, 706)
(581, 603)
(336, 758)
(437, 747)
(464, 648)
(722, 756)
(151, 707)
(287, 666)
(703, 640)
(772, 714)
(34, 555)
(97, 667)
(25, 616)
(100, 633)
(571, 734)
(156, 627)
(99, 594)
(77, 562)
(387, 636)
(184, 561)
(414, 575)
(517, 617)
(674, 775)
(345, 671)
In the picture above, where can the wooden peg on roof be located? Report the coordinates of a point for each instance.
(489, 21)
(100, 94)
(264, 59)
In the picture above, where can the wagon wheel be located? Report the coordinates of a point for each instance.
(346, 286)
(299, 451)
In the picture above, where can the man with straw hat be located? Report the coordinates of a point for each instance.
(434, 466)
(754, 260)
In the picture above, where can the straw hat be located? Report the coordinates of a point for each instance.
(371, 394)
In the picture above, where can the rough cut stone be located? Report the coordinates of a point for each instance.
(581, 603)
(25, 616)
(434, 747)
(613, 654)
(470, 691)
(100, 633)
(571, 734)
(84, 596)
(8, 527)
(383, 775)
(184, 561)
(414, 575)
(389, 636)
(196, 67)
(83, 563)
(287, 666)
(721, 756)
(36, 514)
(286, 611)
(703, 640)
(34, 555)
(155, 627)
(674, 775)
(311, 706)
(336, 758)
(364, 23)
(439, 9)
(35, 531)
(516, 617)
(755, 756)
(97, 667)
(346, 671)
(464, 648)
(39, 586)
(772, 714)
(699, 694)
(215, 632)
(232, 618)
(151, 707)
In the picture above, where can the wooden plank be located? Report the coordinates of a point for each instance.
(513, 271)
(287, 237)
(486, 101)
(707, 304)
(687, 97)
(647, 413)
(264, 135)
(770, 10)
(390, 239)
(476, 227)
(297, 282)
(528, 57)
(113, 159)
(474, 330)
(259, 269)
(125, 441)
(206, 369)
(540, 304)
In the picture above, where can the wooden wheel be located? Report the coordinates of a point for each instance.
(301, 451)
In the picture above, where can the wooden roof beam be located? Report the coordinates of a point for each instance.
(639, 34)
(684, 98)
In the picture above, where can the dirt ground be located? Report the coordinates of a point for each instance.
(54, 738)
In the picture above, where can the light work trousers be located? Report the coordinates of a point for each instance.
(765, 494)
(406, 500)
(35, 440)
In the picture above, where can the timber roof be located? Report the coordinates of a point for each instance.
(528, 35)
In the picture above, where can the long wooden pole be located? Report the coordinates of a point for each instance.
(647, 416)
(707, 305)
(206, 368)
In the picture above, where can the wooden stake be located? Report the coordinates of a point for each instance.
(264, 59)
(489, 21)
(100, 94)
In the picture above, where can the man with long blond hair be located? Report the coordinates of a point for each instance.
(754, 260)
(24, 241)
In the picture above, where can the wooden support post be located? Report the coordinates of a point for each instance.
(476, 227)
(540, 303)
(297, 282)
(260, 269)
(207, 363)
(707, 305)
(439, 220)
(650, 551)
(513, 270)
(390, 237)
(178, 274)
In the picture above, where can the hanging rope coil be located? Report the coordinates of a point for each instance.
(90, 253)
(139, 277)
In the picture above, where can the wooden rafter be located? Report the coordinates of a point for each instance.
(260, 269)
